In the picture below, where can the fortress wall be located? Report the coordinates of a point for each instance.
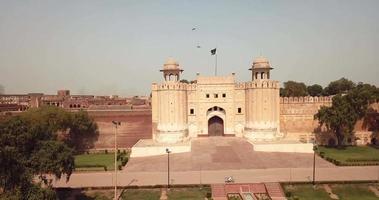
(135, 125)
(297, 118)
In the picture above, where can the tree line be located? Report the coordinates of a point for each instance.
(350, 103)
(38, 142)
(297, 89)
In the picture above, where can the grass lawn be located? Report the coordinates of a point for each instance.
(306, 192)
(354, 192)
(142, 194)
(93, 160)
(351, 152)
(188, 193)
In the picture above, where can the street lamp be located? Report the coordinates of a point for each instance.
(168, 151)
(116, 123)
(314, 161)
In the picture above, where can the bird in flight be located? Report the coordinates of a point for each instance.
(193, 28)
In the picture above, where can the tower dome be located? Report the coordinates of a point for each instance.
(170, 64)
(261, 62)
(261, 68)
(171, 70)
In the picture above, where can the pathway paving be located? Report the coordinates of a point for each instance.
(105, 179)
(222, 153)
(213, 159)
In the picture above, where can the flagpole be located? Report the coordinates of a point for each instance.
(216, 64)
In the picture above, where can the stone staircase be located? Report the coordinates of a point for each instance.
(275, 191)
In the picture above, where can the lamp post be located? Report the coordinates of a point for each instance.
(168, 151)
(314, 162)
(116, 123)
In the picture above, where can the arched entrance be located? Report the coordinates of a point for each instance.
(215, 126)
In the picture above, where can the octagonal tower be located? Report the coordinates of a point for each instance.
(262, 103)
(169, 101)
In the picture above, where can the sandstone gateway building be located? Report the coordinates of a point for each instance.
(220, 106)
(216, 105)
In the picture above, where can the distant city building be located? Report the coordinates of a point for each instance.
(63, 99)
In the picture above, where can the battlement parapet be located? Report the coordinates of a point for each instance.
(169, 86)
(262, 84)
(192, 86)
(240, 86)
(306, 99)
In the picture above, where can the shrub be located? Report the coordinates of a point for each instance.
(106, 151)
(288, 193)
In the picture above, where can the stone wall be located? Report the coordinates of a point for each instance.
(297, 120)
(135, 125)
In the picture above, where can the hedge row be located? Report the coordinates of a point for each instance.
(91, 166)
(350, 162)
(362, 160)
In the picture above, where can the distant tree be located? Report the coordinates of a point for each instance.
(184, 81)
(314, 90)
(346, 110)
(294, 89)
(281, 92)
(340, 86)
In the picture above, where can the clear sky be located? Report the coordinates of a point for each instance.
(117, 47)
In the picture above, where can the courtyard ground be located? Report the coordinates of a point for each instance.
(222, 153)
(212, 159)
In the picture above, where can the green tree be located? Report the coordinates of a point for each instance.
(294, 89)
(26, 152)
(184, 81)
(83, 131)
(346, 110)
(315, 90)
(38, 142)
(342, 85)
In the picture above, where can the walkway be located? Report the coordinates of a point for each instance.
(105, 179)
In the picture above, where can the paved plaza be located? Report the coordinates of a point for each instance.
(223, 153)
(214, 158)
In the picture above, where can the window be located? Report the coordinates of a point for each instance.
(192, 111)
(239, 110)
(216, 95)
(207, 95)
(223, 95)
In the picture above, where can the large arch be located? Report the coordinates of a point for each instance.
(215, 126)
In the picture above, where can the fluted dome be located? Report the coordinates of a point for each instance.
(261, 62)
(171, 64)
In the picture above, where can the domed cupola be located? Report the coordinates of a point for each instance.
(261, 68)
(171, 70)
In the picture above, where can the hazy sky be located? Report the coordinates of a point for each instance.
(117, 47)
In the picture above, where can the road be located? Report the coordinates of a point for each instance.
(125, 178)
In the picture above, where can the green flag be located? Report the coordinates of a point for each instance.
(213, 51)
